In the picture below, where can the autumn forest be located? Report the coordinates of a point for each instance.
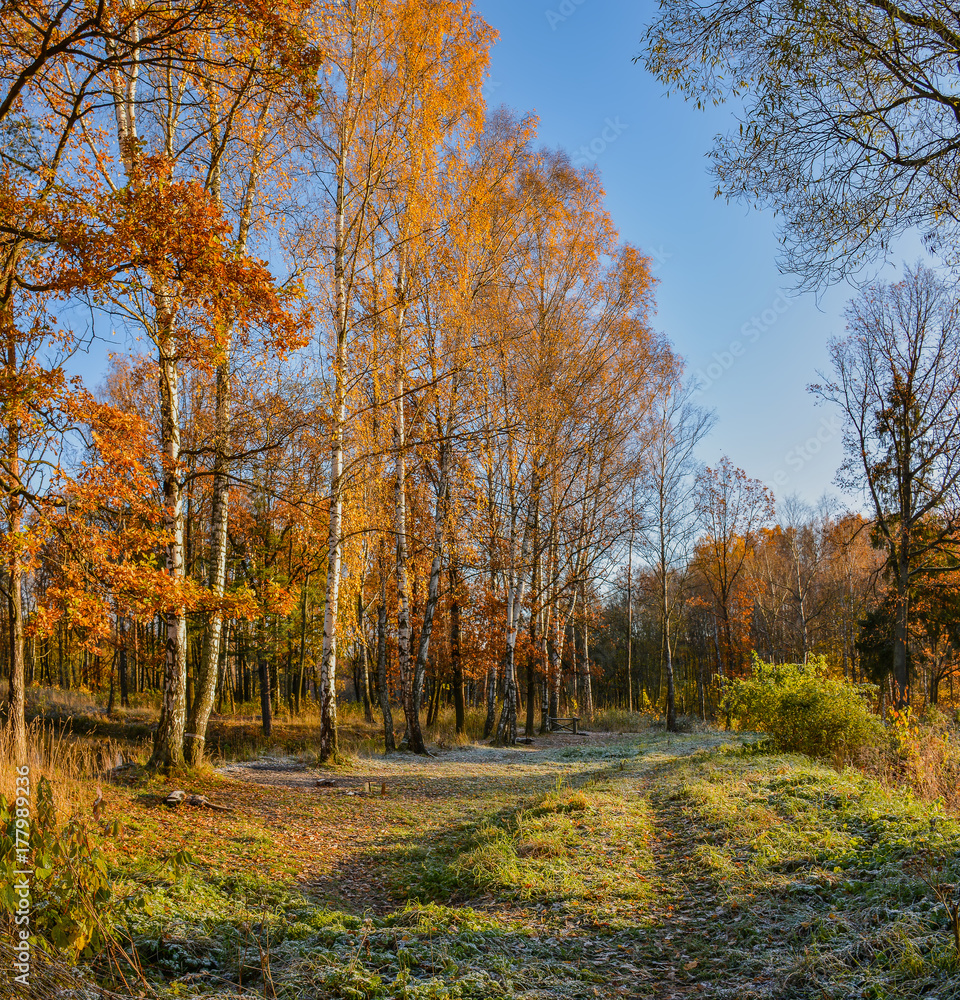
(386, 461)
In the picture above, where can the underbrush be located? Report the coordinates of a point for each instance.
(921, 753)
(238, 735)
(619, 720)
(803, 710)
(73, 767)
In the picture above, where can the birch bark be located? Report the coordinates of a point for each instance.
(208, 674)
(329, 745)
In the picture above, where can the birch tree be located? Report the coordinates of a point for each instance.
(731, 508)
(58, 69)
(675, 427)
(185, 287)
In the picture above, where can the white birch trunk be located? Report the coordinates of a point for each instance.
(219, 520)
(586, 678)
(329, 745)
(169, 739)
(220, 513)
(516, 580)
(411, 707)
(433, 586)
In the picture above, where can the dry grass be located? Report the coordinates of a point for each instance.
(923, 756)
(588, 864)
(619, 720)
(73, 767)
(79, 741)
(52, 701)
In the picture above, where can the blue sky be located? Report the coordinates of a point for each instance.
(721, 300)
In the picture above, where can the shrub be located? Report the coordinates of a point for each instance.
(803, 710)
(75, 911)
(71, 890)
(924, 753)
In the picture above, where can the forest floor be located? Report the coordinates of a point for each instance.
(635, 865)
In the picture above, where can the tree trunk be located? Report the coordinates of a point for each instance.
(419, 671)
(456, 661)
(169, 739)
(586, 677)
(389, 743)
(552, 661)
(901, 635)
(554, 651)
(507, 725)
(329, 746)
(490, 691)
(364, 660)
(433, 593)
(435, 696)
(671, 691)
(530, 720)
(124, 697)
(301, 682)
(220, 488)
(412, 691)
(630, 619)
(16, 720)
(671, 712)
(263, 672)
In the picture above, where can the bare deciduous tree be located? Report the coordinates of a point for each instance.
(849, 125)
(896, 378)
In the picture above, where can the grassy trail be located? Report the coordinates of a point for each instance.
(635, 866)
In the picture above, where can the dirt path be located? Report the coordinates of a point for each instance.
(369, 796)
(387, 804)
(474, 760)
(645, 866)
(557, 751)
(682, 949)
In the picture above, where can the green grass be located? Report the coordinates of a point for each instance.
(640, 866)
(821, 875)
(587, 848)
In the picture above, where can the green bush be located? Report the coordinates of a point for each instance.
(71, 897)
(803, 710)
(74, 909)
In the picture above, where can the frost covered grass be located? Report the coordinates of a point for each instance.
(824, 881)
(587, 848)
(647, 865)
